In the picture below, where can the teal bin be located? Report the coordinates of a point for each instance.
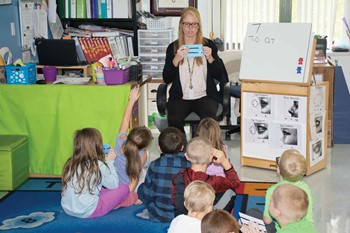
(14, 161)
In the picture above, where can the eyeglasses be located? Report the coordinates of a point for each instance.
(187, 25)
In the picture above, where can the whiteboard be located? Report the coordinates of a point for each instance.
(277, 52)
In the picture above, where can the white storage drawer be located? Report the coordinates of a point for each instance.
(160, 51)
(153, 42)
(153, 67)
(155, 34)
(153, 59)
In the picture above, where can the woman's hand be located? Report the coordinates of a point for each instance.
(111, 155)
(180, 54)
(208, 54)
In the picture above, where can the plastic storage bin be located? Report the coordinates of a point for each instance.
(158, 23)
(21, 74)
(115, 77)
(14, 160)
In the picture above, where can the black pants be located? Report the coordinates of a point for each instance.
(179, 109)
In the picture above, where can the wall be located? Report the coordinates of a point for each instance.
(203, 7)
(8, 14)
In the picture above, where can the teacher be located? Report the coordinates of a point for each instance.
(196, 81)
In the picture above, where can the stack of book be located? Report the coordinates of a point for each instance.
(94, 9)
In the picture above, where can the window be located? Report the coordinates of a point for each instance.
(325, 16)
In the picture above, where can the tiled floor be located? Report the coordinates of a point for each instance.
(330, 187)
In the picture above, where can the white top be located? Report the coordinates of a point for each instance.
(185, 224)
(199, 78)
(83, 205)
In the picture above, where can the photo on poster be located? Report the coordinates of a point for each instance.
(317, 125)
(316, 151)
(256, 131)
(288, 136)
(258, 105)
(317, 99)
(291, 108)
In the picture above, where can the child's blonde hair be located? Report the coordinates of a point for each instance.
(199, 150)
(139, 138)
(292, 165)
(291, 200)
(210, 128)
(199, 196)
(219, 221)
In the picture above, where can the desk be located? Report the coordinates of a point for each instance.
(49, 115)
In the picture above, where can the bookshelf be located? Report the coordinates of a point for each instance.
(121, 23)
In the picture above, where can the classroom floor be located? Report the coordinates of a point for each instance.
(330, 187)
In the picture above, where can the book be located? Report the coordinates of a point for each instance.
(84, 47)
(119, 46)
(79, 49)
(109, 9)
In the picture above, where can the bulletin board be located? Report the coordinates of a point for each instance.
(277, 117)
(278, 53)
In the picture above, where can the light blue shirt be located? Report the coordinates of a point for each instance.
(120, 161)
(83, 205)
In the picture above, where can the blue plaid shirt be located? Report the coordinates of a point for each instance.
(156, 191)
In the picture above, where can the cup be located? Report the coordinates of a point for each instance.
(50, 73)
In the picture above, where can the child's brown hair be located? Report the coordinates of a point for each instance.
(210, 128)
(170, 140)
(87, 151)
(139, 138)
(219, 221)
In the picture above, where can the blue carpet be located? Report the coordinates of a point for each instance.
(37, 203)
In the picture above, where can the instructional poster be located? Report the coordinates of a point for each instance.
(272, 124)
(317, 105)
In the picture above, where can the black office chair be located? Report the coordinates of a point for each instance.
(235, 91)
(193, 119)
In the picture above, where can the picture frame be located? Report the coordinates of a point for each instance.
(170, 7)
(5, 2)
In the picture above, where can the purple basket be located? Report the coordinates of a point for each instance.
(115, 77)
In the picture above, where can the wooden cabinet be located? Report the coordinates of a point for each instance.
(121, 23)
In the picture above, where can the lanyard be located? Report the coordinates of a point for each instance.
(190, 71)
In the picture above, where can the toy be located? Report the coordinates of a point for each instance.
(106, 149)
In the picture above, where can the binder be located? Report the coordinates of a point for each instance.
(114, 47)
(81, 9)
(73, 8)
(130, 46)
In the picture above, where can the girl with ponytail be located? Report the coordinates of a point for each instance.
(131, 150)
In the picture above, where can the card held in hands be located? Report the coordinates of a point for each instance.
(245, 219)
(196, 50)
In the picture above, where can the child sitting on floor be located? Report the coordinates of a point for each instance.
(155, 192)
(90, 183)
(291, 167)
(131, 150)
(219, 221)
(200, 153)
(288, 206)
(199, 198)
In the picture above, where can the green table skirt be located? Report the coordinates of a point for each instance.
(50, 114)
